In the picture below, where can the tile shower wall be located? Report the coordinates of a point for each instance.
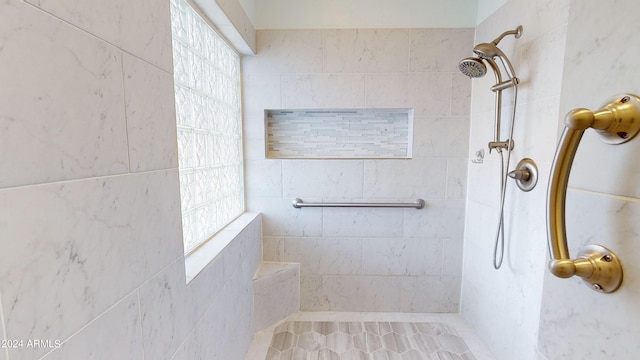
(604, 197)
(516, 288)
(90, 236)
(364, 259)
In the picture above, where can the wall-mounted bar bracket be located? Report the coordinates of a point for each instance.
(618, 121)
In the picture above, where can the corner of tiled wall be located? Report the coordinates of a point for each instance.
(537, 57)
(91, 254)
(344, 253)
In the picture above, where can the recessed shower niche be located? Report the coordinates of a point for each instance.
(339, 133)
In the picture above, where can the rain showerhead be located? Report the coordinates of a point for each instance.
(472, 67)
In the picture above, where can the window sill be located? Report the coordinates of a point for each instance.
(197, 260)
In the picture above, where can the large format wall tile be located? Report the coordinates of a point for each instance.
(91, 247)
(324, 256)
(151, 119)
(167, 311)
(366, 50)
(340, 247)
(361, 222)
(434, 49)
(71, 250)
(407, 256)
(141, 27)
(429, 94)
(315, 91)
(282, 51)
(282, 219)
(409, 179)
(70, 126)
(118, 330)
(315, 179)
(440, 137)
(427, 294)
(362, 293)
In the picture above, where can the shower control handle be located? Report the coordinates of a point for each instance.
(616, 122)
(523, 174)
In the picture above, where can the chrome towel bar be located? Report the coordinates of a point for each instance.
(418, 204)
(616, 122)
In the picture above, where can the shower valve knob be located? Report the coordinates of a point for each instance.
(523, 174)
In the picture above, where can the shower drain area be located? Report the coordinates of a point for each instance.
(321, 340)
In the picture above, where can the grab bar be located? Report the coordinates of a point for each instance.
(418, 204)
(618, 121)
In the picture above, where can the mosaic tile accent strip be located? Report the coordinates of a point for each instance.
(339, 134)
(319, 340)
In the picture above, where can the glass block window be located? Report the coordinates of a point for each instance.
(207, 88)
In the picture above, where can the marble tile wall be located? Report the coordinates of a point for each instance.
(516, 288)
(602, 203)
(364, 259)
(91, 255)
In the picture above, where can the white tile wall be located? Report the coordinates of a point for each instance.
(151, 39)
(516, 288)
(91, 248)
(339, 248)
(315, 179)
(370, 50)
(584, 63)
(150, 113)
(602, 204)
(71, 128)
(121, 344)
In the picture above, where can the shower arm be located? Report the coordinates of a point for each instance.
(516, 33)
(616, 122)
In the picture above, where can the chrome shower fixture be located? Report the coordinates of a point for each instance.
(475, 67)
(490, 51)
(516, 33)
(472, 67)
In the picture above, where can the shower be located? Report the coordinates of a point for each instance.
(474, 67)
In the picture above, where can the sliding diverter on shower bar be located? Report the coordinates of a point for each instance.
(616, 122)
(418, 204)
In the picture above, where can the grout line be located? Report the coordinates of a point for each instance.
(87, 32)
(93, 320)
(126, 118)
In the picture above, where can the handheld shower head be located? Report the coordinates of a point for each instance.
(490, 51)
(472, 67)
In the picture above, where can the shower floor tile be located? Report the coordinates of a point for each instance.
(368, 336)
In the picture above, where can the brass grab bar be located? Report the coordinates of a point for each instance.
(618, 121)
